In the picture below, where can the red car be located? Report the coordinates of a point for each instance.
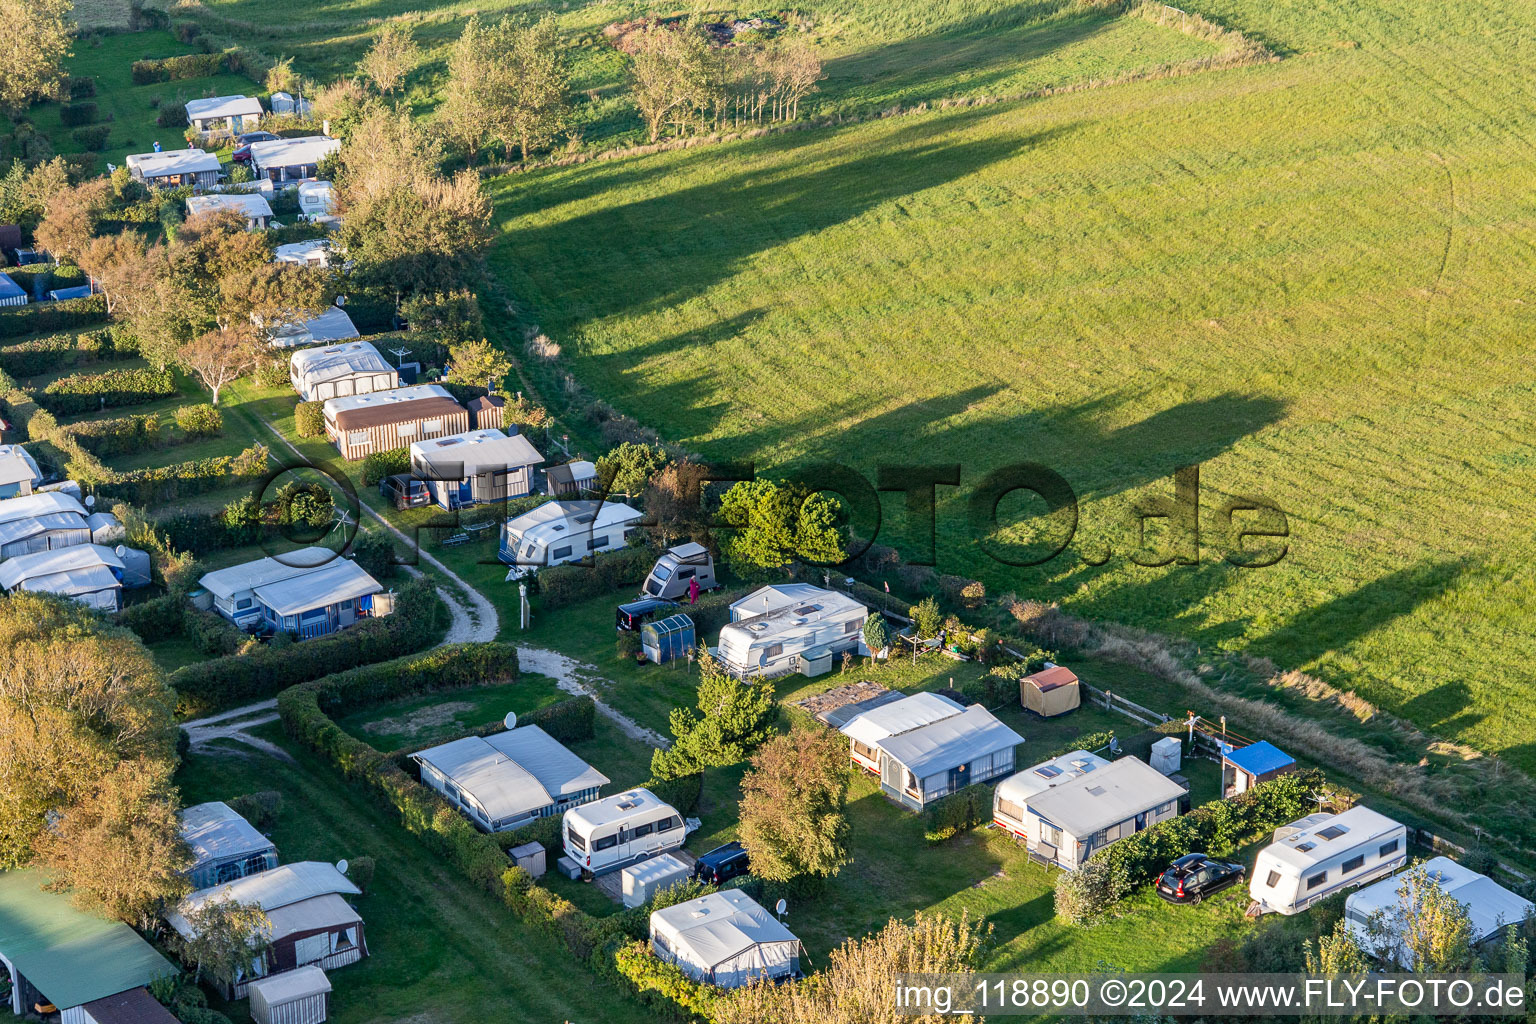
(242, 153)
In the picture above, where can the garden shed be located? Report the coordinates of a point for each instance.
(1242, 768)
(571, 478)
(668, 638)
(224, 845)
(724, 938)
(135, 1006)
(1050, 692)
(300, 996)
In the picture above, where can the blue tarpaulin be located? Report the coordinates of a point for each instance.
(81, 292)
(1260, 758)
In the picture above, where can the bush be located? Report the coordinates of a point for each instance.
(569, 721)
(157, 619)
(92, 138)
(82, 88)
(161, 484)
(663, 986)
(120, 436)
(309, 421)
(682, 793)
(565, 585)
(547, 832)
(85, 392)
(375, 552)
(959, 812)
(172, 116)
(260, 809)
(172, 69)
(1085, 895)
(39, 317)
(202, 420)
(272, 375)
(378, 465)
(927, 620)
(360, 871)
(213, 634)
(77, 114)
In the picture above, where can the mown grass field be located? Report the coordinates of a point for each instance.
(1307, 276)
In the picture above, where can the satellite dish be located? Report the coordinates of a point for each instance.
(781, 907)
(119, 551)
(341, 866)
(511, 720)
(90, 501)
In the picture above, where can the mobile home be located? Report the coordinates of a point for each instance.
(921, 765)
(1334, 853)
(359, 425)
(475, 467)
(19, 474)
(607, 834)
(248, 206)
(1067, 824)
(866, 730)
(224, 115)
(175, 168)
(775, 628)
(44, 521)
(309, 592)
(505, 781)
(92, 574)
(1010, 801)
(224, 845)
(1375, 914)
(336, 371)
(315, 253)
(558, 532)
(674, 572)
(725, 938)
(289, 161)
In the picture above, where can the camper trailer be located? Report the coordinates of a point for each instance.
(676, 570)
(1068, 823)
(1336, 852)
(866, 730)
(607, 834)
(1010, 801)
(775, 628)
(558, 532)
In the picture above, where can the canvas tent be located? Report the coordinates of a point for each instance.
(1051, 691)
(92, 574)
(64, 956)
(1490, 907)
(724, 938)
(174, 168)
(11, 293)
(19, 474)
(504, 781)
(224, 845)
(326, 328)
(300, 996)
(232, 114)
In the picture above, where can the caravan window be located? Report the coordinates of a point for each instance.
(1050, 833)
(1354, 864)
(1012, 810)
(564, 552)
(528, 551)
(576, 840)
(1317, 880)
(1388, 850)
(775, 651)
(668, 824)
(406, 429)
(242, 604)
(687, 574)
(643, 830)
(663, 573)
(599, 542)
(606, 843)
(1273, 879)
(851, 627)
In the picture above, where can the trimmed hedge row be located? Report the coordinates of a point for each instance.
(175, 69)
(119, 435)
(86, 392)
(959, 812)
(565, 585)
(378, 465)
(37, 317)
(57, 351)
(156, 485)
(208, 686)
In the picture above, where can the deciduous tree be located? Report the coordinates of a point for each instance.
(773, 524)
(478, 363)
(73, 214)
(36, 39)
(230, 937)
(539, 85)
(217, 357)
(120, 265)
(390, 58)
(475, 103)
(674, 76)
(1428, 930)
(675, 502)
(792, 803)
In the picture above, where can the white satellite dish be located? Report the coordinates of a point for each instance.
(782, 907)
(119, 551)
(511, 720)
(341, 866)
(90, 501)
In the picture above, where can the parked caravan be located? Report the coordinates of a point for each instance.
(800, 622)
(1010, 801)
(1068, 823)
(1379, 916)
(1338, 852)
(558, 532)
(676, 571)
(607, 834)
(726, 939)
(866, 730)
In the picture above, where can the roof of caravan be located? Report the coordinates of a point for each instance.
(173, 161)
(342, 580)
(512, 773)
(560, 519)
(949, 742)
(717, 926)
(271, 890)
(683, 552)
(32, 514)
(356, 412)
(331, 325)
(617, 807)
(237, 579)
(215, 831)
(1020, 786)
(570, 472)
(299, 252)
(777, 595)
(71, 956)
(1112, 793)
(806, 605)
(900, 716)
(86, 566)
(308, 149)
(1489, 905)
(1260, 758)
(477, 451)
(222, 106)
(246, 204)
(314, 365)
(16, 463)
(1359, 824)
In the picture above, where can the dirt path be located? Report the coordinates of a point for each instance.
(577, 678)
(232, 725)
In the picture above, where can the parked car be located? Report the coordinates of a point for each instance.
(242, 153)
(630, 617)
(722, 864)
(1195, 876)
(405, 491)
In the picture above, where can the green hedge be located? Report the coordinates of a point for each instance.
(77, 114)
(86, 392)
(173, 69)
(566, 585)
(119, 435)
(37, 317)
(959, 812)
(378, 465)
(157, 485)
(157, 619)
(93, 138)
(208, 686)
(53, 352)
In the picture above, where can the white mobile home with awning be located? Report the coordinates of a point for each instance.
(355, 368)
(866, 730)
(292, 160)
(1069, 823)
(325, 328)
(309, 592)
(505, 781)
(43, 521)
(1379, 915)
(1010, 801)
(775, 629)
(92, 574)
(174, 168)
(724, 938)
(932, 761)
(248, 206)
(475, 467)
(215, 115)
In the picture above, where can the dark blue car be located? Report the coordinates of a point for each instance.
(722, 864)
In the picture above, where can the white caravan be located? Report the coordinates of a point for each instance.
(608, 834)
(776, 627)
(558, 532)
(1010, 801)
(1336, 852)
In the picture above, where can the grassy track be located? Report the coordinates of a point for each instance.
(1308, 276)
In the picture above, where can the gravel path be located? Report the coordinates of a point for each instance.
(577, 678)
(232, 725)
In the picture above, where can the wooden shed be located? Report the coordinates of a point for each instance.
(359, 425)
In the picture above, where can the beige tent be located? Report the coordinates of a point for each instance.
(1051, 691)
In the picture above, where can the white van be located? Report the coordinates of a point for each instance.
(1329, 854)
(608, 834)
